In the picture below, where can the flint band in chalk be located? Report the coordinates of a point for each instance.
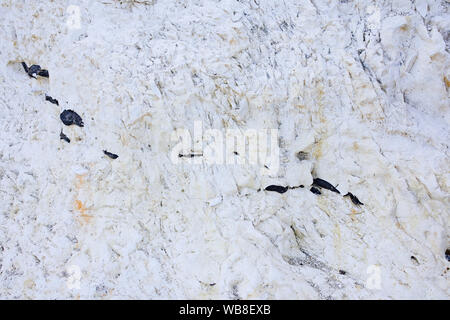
(263, 149)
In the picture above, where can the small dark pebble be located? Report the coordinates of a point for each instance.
(212, 284)
(342, 272)
(50, 99)
(414, 259)
(324, 184)
(111, 155)
(301, 155)
(315, 190)
(278, 189)
(447, 254)
(355, 200)
(69, 117)
(64, 137)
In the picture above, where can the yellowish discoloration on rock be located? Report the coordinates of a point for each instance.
(82, 209)
(447, 82)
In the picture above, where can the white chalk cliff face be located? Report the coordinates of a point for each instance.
(360, 87)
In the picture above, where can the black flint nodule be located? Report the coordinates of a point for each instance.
(111, 155)
(69, 117)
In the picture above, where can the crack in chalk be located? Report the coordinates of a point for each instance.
(309, 260)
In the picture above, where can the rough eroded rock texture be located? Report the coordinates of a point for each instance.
(360, 87)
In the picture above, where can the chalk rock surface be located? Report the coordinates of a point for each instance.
(359, 88)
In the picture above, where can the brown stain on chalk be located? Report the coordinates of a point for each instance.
(404, 28)
(320, 98)
(337, 239)
(79, 206)
(447, 82)
(79, 181)
(317, 151)
(353, 214)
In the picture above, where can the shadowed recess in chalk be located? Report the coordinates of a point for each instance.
(315, 190)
